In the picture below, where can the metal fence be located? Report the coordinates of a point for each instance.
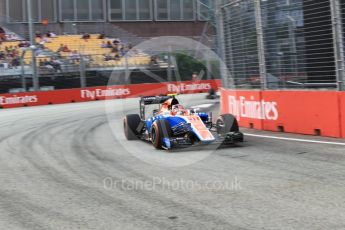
(282, 44)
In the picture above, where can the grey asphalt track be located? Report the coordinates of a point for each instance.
(62, 167)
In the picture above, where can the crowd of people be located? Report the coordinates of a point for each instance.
(118, 49)
(9, 57)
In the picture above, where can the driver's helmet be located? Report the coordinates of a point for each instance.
(177, 109)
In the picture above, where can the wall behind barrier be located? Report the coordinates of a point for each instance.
(303, 112)
(104, 93)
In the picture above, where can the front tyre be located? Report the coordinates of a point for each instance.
(160, 130)
(227, 123)
(130, 125)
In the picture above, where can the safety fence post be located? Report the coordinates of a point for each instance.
(261, 44)
(338, 43)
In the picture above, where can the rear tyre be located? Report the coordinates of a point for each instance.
(130, 125)
(227, 123)
(160, 130)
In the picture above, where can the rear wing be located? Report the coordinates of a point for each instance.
(154, 100)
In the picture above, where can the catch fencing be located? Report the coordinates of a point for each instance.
(283, 44)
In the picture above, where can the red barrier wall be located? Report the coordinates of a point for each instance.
(232, 101)
(104, 92)
(342, 112)
(303, 112)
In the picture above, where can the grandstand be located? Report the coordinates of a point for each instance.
(130, 22)
(100, 56)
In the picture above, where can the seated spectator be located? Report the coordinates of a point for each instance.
(117, 57)
(56, 65)
(45, 40)
(116, 41)
(53, 35)
(63, 48)
(60, 49)
(154, 60)
(74, 56)
(38, 34)
(40, 63)
(123, 52)
(104, 45)
(107, 57)
(66, 49)
(115, 49)
(24, 44)
(86, 36)
(109, 45)
(101, 36)
(15, 62)
(46, 64)
(2, 55)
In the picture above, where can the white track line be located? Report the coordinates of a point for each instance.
(295, 139)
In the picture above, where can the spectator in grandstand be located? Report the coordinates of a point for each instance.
(50, 34)
(45, 40)
(107, 57)
(154, 61)
(116, 41)
(117, 57)
(40, 63)
(115, 49)
(56, 64)
(101, 36)
(60, 49)
(15, 62)
(45, 64)
(86, 36)
(104, 45)
(123, 51)
(2, 55)
(66, 49)
(109, 45)
(63, 48)
(53, 35)
(24, 44)
(74, 57)
(38, 34)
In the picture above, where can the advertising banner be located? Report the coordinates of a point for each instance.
(304, 112)
(105, 93)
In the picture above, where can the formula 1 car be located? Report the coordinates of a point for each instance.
(172, 126)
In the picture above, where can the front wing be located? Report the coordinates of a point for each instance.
(184, 142)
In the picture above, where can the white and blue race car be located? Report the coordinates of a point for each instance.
(172, 126)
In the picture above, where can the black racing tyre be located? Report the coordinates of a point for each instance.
(227, 123)
(160, 129)
(130, 125)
